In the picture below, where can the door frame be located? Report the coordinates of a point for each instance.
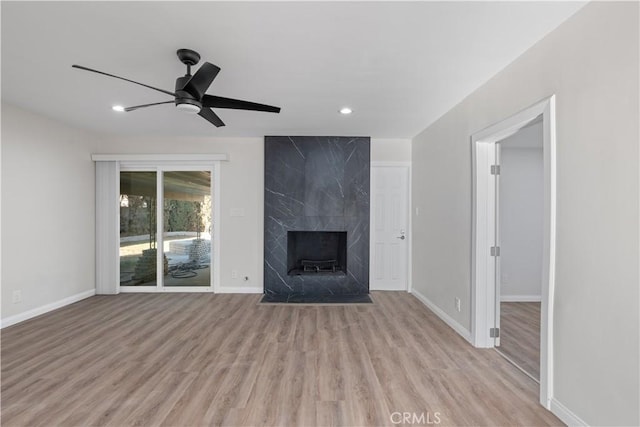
(407, 167)
(483, 267)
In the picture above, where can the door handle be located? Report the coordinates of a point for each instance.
(400, 237)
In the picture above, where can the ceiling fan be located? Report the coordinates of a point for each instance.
(190, 91)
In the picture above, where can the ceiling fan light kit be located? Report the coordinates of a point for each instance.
(190, 91)
(185, 107)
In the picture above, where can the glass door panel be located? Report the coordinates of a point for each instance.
(187, 228)
(138, 225)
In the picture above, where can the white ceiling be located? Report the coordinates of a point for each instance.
(399, 66)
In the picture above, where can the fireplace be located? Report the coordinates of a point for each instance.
(316, 253)
(316, 219)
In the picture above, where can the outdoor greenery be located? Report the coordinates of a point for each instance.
(182, 215)
(137, 215)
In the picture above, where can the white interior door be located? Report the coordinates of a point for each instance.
(389, 227)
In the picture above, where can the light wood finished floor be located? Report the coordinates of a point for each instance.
(204, 359)
(520, 335)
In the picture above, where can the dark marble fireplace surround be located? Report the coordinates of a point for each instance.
(316, 210)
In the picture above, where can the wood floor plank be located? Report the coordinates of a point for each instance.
(520, 335)
(189, 409)
(194, 359)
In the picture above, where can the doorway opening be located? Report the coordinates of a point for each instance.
(486, 249)
(519, 232)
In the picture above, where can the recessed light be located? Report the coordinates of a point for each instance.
(346, 110)
(118, 108)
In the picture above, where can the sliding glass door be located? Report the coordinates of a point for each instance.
(187, 228)
(166, 229)
(138, 228)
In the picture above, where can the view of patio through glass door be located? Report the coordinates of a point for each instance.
(170, 210)
(187, 228)
(138, 210)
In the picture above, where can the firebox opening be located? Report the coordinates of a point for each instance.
(316, 253)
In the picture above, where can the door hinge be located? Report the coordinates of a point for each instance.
(495, 169)
(494, 332)
(495, 250)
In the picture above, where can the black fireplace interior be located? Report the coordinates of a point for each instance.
(316, 253)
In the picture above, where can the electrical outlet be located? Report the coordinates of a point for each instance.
(417, 211)
(504, 279)
(457, 301)
(234, 274)
(16, 297)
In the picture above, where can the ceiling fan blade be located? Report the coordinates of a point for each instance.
(127, 109)
(201, 80)
(236, 104)
(211, 117)
(80, 67)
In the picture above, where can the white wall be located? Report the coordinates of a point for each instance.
(47, 211)
(390, 150)
(521, 215)
(591, 63)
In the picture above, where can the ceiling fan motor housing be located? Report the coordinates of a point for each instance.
(184, 100)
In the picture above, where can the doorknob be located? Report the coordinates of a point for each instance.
(401, 237)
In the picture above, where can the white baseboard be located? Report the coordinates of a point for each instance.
(520, 298)
(243, 290)
(461, 330)
(29, 314)
(565, 414)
